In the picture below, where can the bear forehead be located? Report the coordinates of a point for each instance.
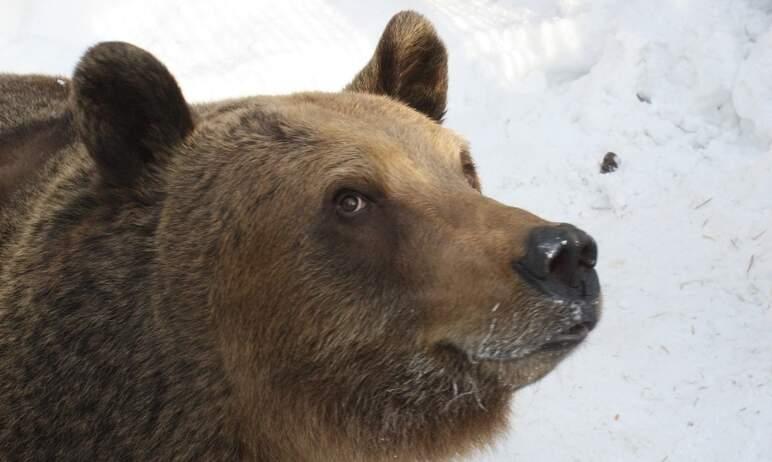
(393, 137)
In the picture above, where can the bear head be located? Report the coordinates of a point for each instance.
(366, 299)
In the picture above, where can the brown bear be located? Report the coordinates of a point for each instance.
(312, 277)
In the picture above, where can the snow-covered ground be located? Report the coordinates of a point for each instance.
(680, 368)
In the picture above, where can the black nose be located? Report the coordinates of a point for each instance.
(560, 260)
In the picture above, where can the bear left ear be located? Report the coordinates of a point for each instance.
(128, 110)
(410, 64)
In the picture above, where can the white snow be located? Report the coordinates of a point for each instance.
(680, 367)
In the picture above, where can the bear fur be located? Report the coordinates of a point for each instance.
(311, 277)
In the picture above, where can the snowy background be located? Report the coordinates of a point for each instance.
(680, 368)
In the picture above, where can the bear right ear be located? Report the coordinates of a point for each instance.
(410, 65)
(128, 110)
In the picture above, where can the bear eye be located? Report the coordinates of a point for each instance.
(350, 203)
(471, 175)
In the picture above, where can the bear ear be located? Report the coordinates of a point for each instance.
(128, 110)
(410, 64)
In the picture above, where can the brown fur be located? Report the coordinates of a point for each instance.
(410, 64)
(176, 283)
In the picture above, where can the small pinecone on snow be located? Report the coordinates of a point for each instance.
(610, 163)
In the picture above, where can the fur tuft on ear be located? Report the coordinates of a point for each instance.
(410, 64)
(128, 110)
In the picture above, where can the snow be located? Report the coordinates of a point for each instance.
(753, 88)
(680, 367)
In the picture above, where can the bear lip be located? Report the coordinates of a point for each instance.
(567, 339)
(561, 343)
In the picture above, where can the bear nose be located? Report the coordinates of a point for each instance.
(560, 259)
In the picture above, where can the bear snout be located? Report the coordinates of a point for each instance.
(560, 261)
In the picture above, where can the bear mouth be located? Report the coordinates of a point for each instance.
(567, 340)
(554, 345)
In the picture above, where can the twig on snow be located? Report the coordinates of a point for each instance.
(703, 204)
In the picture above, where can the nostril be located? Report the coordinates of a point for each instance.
(561, 265)
(588, 256)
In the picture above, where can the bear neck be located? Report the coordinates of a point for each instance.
(128, 381)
